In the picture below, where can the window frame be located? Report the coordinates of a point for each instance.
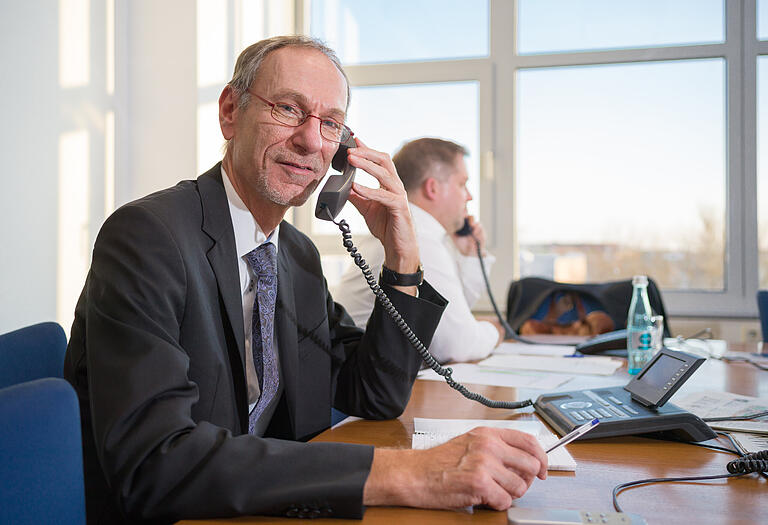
(497, 73)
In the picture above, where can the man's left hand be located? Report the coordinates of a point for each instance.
(466, 243)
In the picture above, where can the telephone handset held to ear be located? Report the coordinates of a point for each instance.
(465, 229)
(336, 190)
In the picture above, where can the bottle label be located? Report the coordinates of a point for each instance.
(640, 340)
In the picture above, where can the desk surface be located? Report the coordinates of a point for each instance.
(602, 463)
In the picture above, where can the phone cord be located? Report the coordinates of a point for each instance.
(429, 359)
(755, 462)
(509, 333)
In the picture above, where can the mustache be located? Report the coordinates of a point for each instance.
(314, 165)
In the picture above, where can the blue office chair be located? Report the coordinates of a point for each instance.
(762, 307)
(41, 459)
(32, 352)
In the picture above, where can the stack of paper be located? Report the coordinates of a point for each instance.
(723, 404)
(600, 365)
(428, 433)
(478, 375)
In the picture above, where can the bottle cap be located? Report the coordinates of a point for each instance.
(641, 280)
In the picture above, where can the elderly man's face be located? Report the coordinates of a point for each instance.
(281, 163)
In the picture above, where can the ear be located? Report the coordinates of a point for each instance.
(227, 108)
(431, 188)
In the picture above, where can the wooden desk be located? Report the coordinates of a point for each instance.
(602, 463)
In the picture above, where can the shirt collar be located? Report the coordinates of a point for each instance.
(248, 234)
(425, 223)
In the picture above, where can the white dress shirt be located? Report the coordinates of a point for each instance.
(458, 278)
(248, 235)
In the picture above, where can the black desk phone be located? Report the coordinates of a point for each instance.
(640, 407)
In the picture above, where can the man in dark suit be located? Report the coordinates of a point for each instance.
(206, 346)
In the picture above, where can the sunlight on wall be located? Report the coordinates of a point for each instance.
(74, 43)
(212, 40)
(209, 137)
(109, 163)
(73, 242)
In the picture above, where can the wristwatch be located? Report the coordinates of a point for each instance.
(391, 278)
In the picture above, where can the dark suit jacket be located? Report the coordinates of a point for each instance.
(156, 355)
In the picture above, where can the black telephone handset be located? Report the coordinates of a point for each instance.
(335, 192)
(465, 229)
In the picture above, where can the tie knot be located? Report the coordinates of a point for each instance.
(263, 260)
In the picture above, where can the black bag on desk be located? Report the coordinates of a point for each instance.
(528, 298)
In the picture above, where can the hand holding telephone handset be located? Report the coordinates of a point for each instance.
(330, 201)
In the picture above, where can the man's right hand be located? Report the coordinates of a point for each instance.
(486, 466)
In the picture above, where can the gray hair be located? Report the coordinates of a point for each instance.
(249, 62)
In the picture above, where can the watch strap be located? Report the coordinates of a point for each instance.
(393, 278)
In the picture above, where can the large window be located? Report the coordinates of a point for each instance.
(607, 137)
(621, 171)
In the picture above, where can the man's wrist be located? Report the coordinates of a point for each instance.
(394, 278)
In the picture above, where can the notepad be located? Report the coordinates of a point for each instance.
(429, 433)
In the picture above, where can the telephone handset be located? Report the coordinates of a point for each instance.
(330, 201)
(335, 192)
(465, 229)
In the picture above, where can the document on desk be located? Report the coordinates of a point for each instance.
(526, 349)
(428, 433)
(477, 375)
(598, 365)
(723, 404)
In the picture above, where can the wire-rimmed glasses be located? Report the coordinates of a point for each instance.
(294, 116)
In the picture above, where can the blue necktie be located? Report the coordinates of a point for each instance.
(263, 261)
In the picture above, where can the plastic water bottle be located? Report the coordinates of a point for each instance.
(639, 326)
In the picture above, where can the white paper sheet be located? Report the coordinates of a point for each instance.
(429, 433)
(526, 349)
(474, 374)
(598, 365)
(751, 442)
(722, 404)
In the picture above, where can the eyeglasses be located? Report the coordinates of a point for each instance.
(294, 116)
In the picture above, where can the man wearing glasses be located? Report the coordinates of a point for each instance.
(206, 347)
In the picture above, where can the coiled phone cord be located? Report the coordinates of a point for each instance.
(746, 464)
(749, 463)
(431, 362)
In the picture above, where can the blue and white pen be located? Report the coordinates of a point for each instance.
(583, 429)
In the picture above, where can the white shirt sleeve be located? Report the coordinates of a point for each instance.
(472, 275)
(459, 336)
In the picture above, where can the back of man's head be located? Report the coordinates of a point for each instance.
(416, 160)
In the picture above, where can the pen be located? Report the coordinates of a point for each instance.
(583, 429)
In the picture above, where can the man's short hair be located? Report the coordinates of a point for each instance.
(415, 159)
(249, 62)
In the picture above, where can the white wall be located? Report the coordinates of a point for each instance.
(55, 134)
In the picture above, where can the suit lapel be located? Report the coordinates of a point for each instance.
(218, 225)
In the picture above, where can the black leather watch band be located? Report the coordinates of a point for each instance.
(391, 278)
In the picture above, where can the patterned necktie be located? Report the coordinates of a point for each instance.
(263, 261)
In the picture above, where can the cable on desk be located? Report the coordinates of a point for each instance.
(746, 464)
(740, 359)
(737, 418)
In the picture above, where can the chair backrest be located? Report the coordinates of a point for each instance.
(41, 458)
(32, 352)
(762, 307)
(526, 295)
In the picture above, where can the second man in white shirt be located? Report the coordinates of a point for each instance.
(434, 174)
